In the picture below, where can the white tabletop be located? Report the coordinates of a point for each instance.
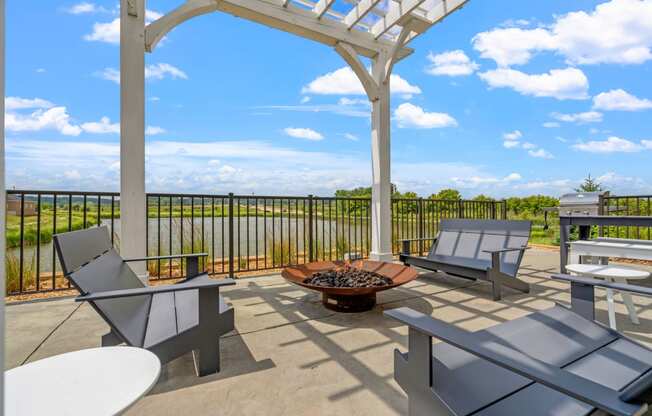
(97, 381)
(613, 248)
(607, 271)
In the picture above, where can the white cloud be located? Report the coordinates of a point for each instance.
(580, 118)
(163, 70)
(104, 126)
(540, 153)
(613, 144)
(305, 99)
(109, 32)
(476, 181)
(109, 74)
(154, 130)
(72, 174)
(620, 100)
(157, 71)
(618, 31)
(54, 118)
(514, 135)
(528, 145)
(154, 99)
(511, 144)
(512, 46)
(562, 84)
(353, 101)
(551, 124)
(40, 70)
(85, 8)
(352, 137)
(451, 63)
(647, 144)
(343, 81)
(19, 103)
(303, 133)
(408, 115)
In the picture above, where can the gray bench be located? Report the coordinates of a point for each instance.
(169, 320)
(489, 250)
(557, 362)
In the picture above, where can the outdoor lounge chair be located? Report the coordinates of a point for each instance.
(557, 362)
(489, 250)
(169, 320)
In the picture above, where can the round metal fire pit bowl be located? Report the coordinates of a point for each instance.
(350, 299)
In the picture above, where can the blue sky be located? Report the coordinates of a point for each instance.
(524, 98)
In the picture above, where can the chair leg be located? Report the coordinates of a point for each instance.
(207, 358)
(110, 339)
(496, 289)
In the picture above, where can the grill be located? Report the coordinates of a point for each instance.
(581, 204)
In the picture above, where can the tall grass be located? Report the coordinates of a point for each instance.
(12, 272)
(281, 254)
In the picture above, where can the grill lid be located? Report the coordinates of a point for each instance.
(580, 198)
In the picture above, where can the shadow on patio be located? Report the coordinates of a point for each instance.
(292, 356)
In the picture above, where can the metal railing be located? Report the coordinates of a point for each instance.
(241, 234)
(638, 205)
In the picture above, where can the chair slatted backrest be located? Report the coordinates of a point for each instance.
(91, 272)
(466, 238)
(77, 248)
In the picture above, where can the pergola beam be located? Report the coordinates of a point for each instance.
(272, 13)
(358, 12)
(322, 7)
(369, 84)
(398, 12)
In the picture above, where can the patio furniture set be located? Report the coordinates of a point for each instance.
(556, 362)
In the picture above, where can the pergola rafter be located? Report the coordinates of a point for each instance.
(354, 28)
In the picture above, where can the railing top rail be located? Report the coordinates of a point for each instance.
(606, 198)
(42, 192)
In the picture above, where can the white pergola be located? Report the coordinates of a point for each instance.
(376, 29)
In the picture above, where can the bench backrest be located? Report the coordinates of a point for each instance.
(465, 238)
(92, 265)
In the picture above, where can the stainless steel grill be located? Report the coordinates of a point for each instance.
(581, 204)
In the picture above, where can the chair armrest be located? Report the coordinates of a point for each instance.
(198, 283)
(505, 250)
(587, 281)
(172, 256)
(513, 360)
(405, 243)
(192, 262)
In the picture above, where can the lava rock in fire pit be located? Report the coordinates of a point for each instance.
(347, 276)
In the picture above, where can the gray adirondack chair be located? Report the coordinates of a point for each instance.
(169, 320)
(489, 250)
(557, 362)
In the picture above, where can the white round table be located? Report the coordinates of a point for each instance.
(96, 381)
(616, 274)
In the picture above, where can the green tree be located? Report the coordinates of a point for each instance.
(590, 185)
(447, 194)
(482, 197)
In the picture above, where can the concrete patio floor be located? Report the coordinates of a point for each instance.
(290, 356)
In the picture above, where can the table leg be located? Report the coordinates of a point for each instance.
(611, 308)
(627, 300)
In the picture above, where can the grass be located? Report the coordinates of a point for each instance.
(12, 271)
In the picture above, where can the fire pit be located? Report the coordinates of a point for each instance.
(349, 287)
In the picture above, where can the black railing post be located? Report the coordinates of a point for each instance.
(460, 209)
(504, 209)
(231, 265)
(311, 255)
(420, 218)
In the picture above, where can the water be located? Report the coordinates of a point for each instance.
(253, 236)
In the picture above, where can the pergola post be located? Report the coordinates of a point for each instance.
(132, 131)
(381, 189)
